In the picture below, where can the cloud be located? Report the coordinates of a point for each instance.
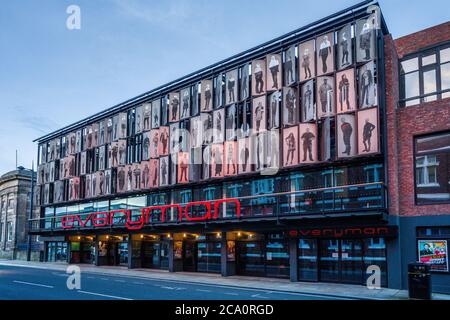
(39, 123)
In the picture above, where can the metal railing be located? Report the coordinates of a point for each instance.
(351, 199)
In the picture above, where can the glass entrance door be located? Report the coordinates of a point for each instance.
(341, 261)
(189, 259)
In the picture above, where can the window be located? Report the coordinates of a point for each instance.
(432, 174)
(425, 76)
(10, 203)
(1, 231)
(9, 231)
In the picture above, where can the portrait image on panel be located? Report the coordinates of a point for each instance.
(108, 181)
(368, 131)
(100, 183)
(70, 166)
(183, 167)
(87, 186)
(273, 149)
(218, 125)
(109, 126)
(290, 146)
(367, 87)
(156, 114)
(95, 136)
(116, 125)
(174, 137)
(120, 179)
(122, 151)
(71, 137)
(74, 188)
(345, 91)
(164, 171)
(258, 77)
(145, 175)
(195, 100)
(216, 160)
(165, 108)
(123, 118)
(245, 119)
(308, 142)
(244, 82)
(258, 151)
(195, 164)
(185, 103)
(325, 139)
(309, 112)
(101, 132)
(325, 53)
(154, 143)
(154, 173)
(207, 127)
(325, 96)
(147, 116)
(289, 106)
(114, 146)
(139, 120)
(307, 60)
(206, 95)
(365, 40)
(83, 163)
(274, 109)
(128, 177)
(163, 146)
(58, 192)
(344, 47)
(274, 72)
(196, 126)
(289, 70)
(346, 135)
(78, 140)
(232, 87)
(244, 160)
(146, 138)
(218, 91)
(101, 157)
(174, 107)
(259, 114)
(230, 149)
(206, 165)
(231, 122)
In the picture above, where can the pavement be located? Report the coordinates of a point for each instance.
(37, 280)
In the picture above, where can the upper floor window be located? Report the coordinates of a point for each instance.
(432, 164)
(425, 76)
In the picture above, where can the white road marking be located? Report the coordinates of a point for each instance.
(123, 281)
(105, 279)
(91, 277)
(103, 295)
(136, 282)
(202, 290)
(168, 288)
(231, 293)
(259, 296)
(33, 284)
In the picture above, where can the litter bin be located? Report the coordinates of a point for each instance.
(419, 281)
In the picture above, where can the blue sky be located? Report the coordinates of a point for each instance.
(51, 77)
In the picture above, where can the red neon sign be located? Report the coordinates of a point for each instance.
(103, 219)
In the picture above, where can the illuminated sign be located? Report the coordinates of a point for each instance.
(346, 232)
(108, 218)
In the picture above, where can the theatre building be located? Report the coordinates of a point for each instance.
(271, 163)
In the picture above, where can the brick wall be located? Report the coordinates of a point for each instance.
(403, 124)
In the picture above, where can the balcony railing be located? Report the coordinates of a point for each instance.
(349, 199)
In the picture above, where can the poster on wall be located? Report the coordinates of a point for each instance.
(128, 177)
(154, 143)
(231, 251)
(136, 176)
(368, 131)
(231, 87)
(178, 249)
(122, 129)
(120, 179)
(145, 175)
(289, 66)
(109, 127)
(346, 135)
(218, 125)
(274, 72)
(163, 146)
(309, 112)
(325, 97)
(289, 106)
(206, 96)
(308, 142)
(365, 40)
(183, 167)
(244, 160)
(164, 171)
(146, 145)
(139, 120)
(345, 91)
(122, 148)
(156, 113)
(258, 77)
(290, 146)
(325, 139)
(217, 161)
(58, 191)
(174, 99)
(307, 60)
(207, 127)
(325, 53)
(231, 122)
(147, 115)
(108, 181)
(244, 81)
(185, 110)
(274, 110)
(344, 47)
(434, 253)
(154, 173)
(206, 165)
(259, 114)
(368, 96)
(230, 158)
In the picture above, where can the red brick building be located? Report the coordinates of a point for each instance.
(418, 150)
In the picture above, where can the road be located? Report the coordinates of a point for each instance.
(22, 283)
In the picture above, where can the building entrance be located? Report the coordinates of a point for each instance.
(155, 255)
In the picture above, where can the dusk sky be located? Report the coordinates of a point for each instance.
(51, 76)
